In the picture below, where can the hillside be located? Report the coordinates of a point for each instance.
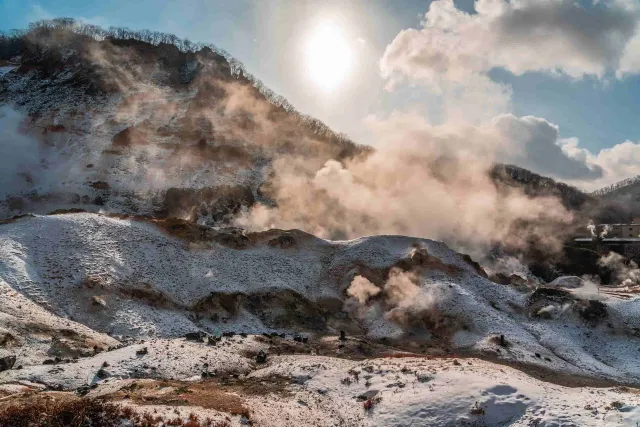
(113, 122)
(626, 192)
(128, 280)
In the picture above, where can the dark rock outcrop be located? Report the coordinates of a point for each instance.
(7, 363)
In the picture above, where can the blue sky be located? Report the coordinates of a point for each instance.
(268, 36)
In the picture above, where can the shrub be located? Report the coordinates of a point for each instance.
(88, 413)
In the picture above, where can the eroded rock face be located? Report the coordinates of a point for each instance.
(284, 241)
(8, 340)
(276, 309)
(546, 302)
(215, 203)
(592, 310)
(67, 347)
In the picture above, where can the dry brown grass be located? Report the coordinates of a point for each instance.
(205, 394)
(39, 411)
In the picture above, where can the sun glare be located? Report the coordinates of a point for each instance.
(328, 55)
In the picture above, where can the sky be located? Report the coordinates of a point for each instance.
(558, 80)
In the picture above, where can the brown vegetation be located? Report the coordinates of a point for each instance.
(73, 412)
(205, 394)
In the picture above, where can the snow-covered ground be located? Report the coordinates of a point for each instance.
(4, 70)
(303, 390)
(99, 289)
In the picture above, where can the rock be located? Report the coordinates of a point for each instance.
(7, 363)
(68, 347)
(7, 340)
(83, 390)
(261, 357)
(300, 379)
(195, 336)
(228, 334)
(284, 241)
(211, 341)
(97, 301)
(232, 238)
(549, 294)
(566, 282)
(592, 310)
(142, 351)
(369, 394)
(48, 362)
(102, 374)
(343, 336)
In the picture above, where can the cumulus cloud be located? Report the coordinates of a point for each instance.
(453, 52)
(520, 36)
(535, 145)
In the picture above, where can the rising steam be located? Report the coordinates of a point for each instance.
(422, 180)
(401, 302)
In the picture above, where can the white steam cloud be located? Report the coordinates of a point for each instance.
(428, 181)
(19, 153)
(625, 273)
(362, 289)
(401, 301)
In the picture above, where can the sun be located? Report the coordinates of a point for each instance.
(328, 56)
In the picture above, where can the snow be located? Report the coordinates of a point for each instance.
(45, 262)
(6, 69)
(48, 258)
(417, 391)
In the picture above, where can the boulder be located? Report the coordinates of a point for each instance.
(7, 363)
(195, 336)
(566, 282)
(261, 357)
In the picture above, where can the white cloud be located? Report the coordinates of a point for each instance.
(553, 36)
(534, 143)
(530, 142)
(453, 52)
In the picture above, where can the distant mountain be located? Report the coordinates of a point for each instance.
(537, 185)
(625, 192)
(618, 187)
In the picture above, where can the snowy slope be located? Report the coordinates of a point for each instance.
(154, 285)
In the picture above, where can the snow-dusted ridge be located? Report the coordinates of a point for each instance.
(129, 277)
